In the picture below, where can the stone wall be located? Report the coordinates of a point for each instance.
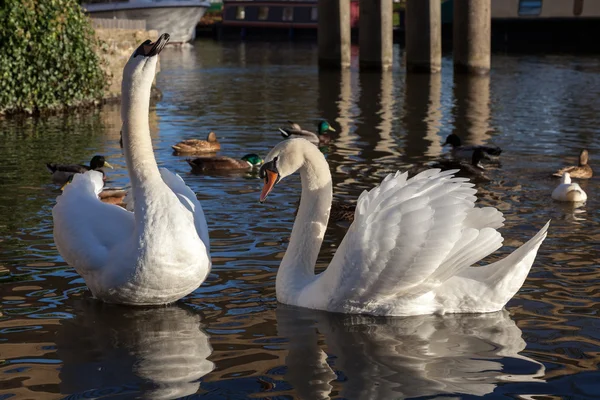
(116, 48)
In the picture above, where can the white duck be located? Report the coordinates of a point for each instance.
(568, 191)
(409, 251)
(156, 254)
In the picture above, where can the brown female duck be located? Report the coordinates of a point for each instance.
(580, 171)
(198, 146)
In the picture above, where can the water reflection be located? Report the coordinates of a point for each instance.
(422, 114)
(384, 358)
(159, 353)
(472, 108)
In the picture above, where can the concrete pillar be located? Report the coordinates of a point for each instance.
(423, 36)
(472, 36)
(375, 34)
(334, 33)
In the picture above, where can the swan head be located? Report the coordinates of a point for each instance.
(323, 127)
(285, 159)
(566, 178)
(141, 66)
(453, 140)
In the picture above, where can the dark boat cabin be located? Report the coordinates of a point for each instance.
(277, 14)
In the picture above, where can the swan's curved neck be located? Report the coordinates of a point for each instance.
(137, 143)
(297, 268)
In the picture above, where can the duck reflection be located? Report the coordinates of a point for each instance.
(153, 353)
(384, 358)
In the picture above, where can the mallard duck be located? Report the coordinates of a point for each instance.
(322, 128)
(108, 195)
(198, 146)
(411, 249)
(222, 163)
(156, 254)
(568, 191)
(581, 171)
(473, 170)
(466, 152)
(62, 172)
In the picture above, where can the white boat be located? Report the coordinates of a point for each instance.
(178, 18)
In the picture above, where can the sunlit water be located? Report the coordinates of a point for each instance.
(230, 338)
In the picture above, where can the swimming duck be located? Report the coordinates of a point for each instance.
(568, 191)
(195, 146)
(156, 254)
(322, 128)
(411, 249)
(62, 172)
(108, 195)
(222, 163)
(473, 170)
(466, 152)
(580, 171)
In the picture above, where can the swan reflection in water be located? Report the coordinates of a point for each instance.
(153, 353)
(389, 358)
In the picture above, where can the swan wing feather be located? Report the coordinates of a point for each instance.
(411, 234)
(85, 228)
(188, 198)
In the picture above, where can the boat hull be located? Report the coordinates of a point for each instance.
(179, 21)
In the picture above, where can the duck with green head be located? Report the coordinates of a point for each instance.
(321, 137)
(62, 172)
(222, 163)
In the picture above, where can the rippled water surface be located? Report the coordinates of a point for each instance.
(230, 338)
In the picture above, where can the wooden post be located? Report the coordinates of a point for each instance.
(472, 36)
(376, 34)
(334, 33)
(423, 36)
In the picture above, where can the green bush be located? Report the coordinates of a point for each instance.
(47, 58)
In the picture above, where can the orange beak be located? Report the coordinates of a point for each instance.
(270, 181)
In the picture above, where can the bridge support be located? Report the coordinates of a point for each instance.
(376, 34)
(423, 36)
(472, 36)
(334, 33)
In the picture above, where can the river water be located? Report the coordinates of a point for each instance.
(230, 338)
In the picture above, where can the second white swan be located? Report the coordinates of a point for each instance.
(409, 251)
(159, 252)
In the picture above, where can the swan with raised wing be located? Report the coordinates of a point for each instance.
(159, 252)
(409, 251)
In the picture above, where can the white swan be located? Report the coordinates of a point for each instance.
(409, 251)
(568, 191)
(156, 254)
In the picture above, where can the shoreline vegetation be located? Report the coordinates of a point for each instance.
(54, 61)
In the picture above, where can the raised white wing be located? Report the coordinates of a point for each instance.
(85, 228)
(409, 236)
(187, 197)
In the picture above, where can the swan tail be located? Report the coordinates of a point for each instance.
(490, 287)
